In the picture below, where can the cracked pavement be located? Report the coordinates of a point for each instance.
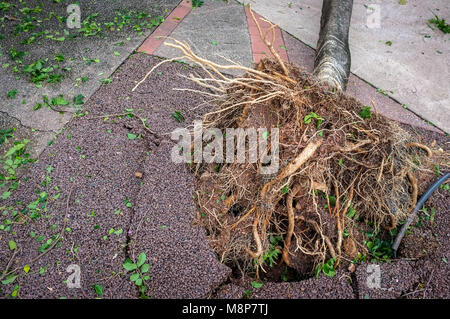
(95, 161)
(89, 173)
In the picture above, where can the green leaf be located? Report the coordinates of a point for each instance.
(60, 58)
(197, 3)
(141, 259)
(11, 94)
(12, 245)
(78, 100)
(98, 289)
(129, 265)
(59, 100)
(106, 81)
(256, 284)
(332, 200)
(134, 277)
(131, 136)
(178, 116)
(138, 282)
(5, 195)
(365, 112)
(308, 118)
(145, 268)
(16, 148)
(285, 189)
(265, 135)
(351, 212)
(15, 291)
(9, 280)
(329, 270)
(26, 268)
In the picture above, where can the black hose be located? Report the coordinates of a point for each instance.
(420, 203)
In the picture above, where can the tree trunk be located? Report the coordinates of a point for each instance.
(332, 62)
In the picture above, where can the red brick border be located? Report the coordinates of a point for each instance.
(259, 49)
(166, 28)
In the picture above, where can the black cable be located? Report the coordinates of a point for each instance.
(413, 214)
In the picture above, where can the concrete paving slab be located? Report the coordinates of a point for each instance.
(103, 177)
(413, 67)
(303, 56)
(40, 138)
(217, 28)
(111, 49)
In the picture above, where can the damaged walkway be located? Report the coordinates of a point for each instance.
(123, 196)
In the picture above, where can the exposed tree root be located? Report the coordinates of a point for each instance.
(424, 147)
(413, 182)
(270, 45)
(332, 161)
(291, 220)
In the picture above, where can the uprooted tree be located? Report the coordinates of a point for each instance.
(344, 167)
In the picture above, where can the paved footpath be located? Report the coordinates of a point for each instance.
(121, 193)
(225, 29)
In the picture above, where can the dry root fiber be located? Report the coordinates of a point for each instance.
(339, 161)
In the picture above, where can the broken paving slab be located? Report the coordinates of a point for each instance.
(215, 30)
(183, 264)
(163, 93)
(413, 68)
